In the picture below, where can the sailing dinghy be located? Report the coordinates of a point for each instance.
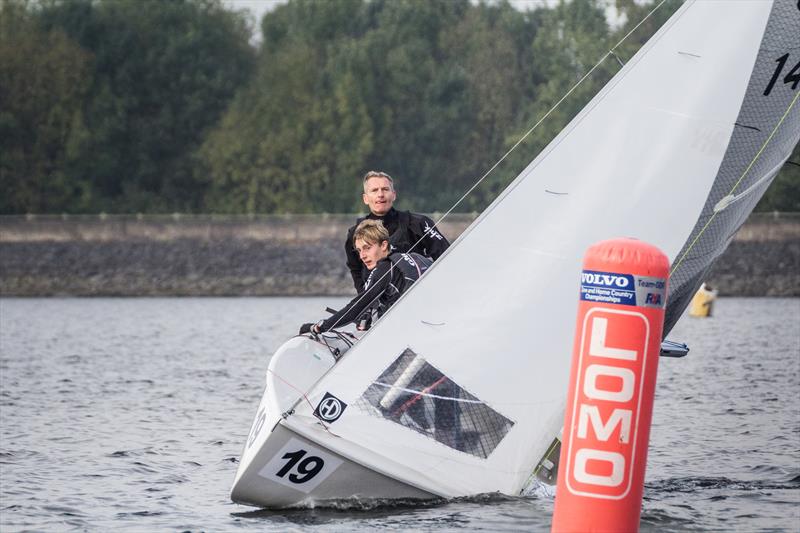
(459, 392)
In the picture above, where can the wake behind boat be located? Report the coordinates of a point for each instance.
(456, 393)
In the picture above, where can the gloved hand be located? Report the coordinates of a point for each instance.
(306, 328)
(364, 321)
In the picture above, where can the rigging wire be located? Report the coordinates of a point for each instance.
(729, 198)
(302, 392)
(610, 53)
(422, 393)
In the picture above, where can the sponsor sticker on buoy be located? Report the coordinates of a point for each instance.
(606, 407)
(623, 289)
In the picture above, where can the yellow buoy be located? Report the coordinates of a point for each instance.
(703, 301)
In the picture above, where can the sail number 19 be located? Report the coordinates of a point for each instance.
(793, 76)
(300, 465)
(306, 469)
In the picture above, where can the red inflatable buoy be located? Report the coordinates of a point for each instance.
(611, 388)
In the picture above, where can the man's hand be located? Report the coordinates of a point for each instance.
(311, 328)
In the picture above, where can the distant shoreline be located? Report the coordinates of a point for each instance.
(281, 255)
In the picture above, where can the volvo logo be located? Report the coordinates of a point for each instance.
(603, 279)
(330, 408)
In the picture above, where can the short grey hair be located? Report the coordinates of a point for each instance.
(377, 174)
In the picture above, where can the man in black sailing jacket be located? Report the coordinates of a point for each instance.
(390, 275)
(406, 229)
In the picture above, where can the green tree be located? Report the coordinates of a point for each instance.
(295, 137)
(488, 46)
(784, 193)
(164, 73)
(417, 101)
(424, 91)
(44, 78)
(568, 42)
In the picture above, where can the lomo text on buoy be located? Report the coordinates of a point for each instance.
(611, 388)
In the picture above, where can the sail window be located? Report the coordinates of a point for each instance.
(415, 394)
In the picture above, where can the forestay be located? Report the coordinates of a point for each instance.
(459, 389)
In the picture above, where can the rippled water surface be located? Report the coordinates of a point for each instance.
(130, 414)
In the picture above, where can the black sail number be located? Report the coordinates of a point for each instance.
(793, 76)
(304, 469)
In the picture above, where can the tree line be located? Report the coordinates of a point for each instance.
(159, 106)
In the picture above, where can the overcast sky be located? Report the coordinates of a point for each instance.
(259, 7)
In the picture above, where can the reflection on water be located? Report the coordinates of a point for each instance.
(130, 414)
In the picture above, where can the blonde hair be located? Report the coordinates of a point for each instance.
(377, 174)
(371, 231)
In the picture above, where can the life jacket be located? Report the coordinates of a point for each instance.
(412, 265)
(399, 240)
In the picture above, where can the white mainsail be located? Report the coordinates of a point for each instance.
(492, 321)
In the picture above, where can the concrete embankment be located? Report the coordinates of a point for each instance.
(179, 255)
(280, 255)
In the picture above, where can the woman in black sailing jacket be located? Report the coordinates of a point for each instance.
(390, 275)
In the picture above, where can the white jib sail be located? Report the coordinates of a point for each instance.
(496, 314)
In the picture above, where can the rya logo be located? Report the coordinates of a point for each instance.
(605, 280)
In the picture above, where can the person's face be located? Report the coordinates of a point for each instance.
(370, 253)
(379, 195)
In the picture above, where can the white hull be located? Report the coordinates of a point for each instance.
(280, 468)
(337, 479)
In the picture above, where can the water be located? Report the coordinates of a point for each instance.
(130, 414)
